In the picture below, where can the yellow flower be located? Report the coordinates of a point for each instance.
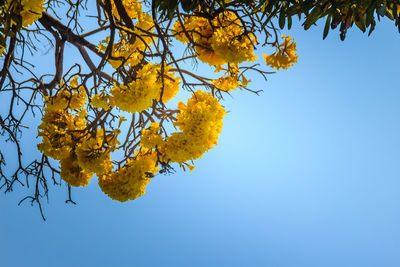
(284, 57)
(72, 173)
(133, 8)
(2, 48)
(229, 41)
(226, 83)
(191, 167)
(128, 53)
(151, 137)
(218, 41)
(200, 122)
(194, 27)
(130, 181)
(129, 50)
(102, 101)
(139, 94)
(171, 84)
(200, 31)
(59, 130)
(207, 55)
(29, 10)
(68, 97)
(93, 153)
(230, 80)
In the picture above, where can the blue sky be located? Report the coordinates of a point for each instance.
(306, 174)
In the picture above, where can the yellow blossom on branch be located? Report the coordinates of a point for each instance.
(130, 181)
(72, 173)
(284, 57)
(68, 97)
(151, 137)
(200, 122)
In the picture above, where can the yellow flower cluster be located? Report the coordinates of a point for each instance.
(230, 80)
(218, 41)
(227, 83)
(171, 84)
(68, 97)
(32, 11)
(102, 100)
(29, 10)
(198, 30)
(229, 40)
(133, 8)
(65, 138)
(59, 126)
(139, 94)
(93, 153)
(284, 57)
(72, 173)
(63, 126)
(151, 137)
(58, 130)
(130, 47)
(200, 122)
(2, 48)
(130, 181)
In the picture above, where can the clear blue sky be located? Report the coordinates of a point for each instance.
(307, 174)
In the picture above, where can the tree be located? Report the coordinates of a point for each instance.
(129, 68)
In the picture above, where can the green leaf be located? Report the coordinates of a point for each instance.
(313, 17)
(259, 6)
(282, 19)
(289, 21)
(187, 5)
(370, 16)
(361, 23)
(327, 26)
(273, 13)
(382, 10)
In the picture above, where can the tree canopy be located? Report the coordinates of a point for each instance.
(107, 114)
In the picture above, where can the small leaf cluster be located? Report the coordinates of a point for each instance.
(337, 13)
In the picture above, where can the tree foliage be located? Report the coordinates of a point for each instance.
(107, 114)
(362, 13)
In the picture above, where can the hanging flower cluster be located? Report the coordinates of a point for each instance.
(128, 51)
(130, 181)
(230, 80)
(66, 137)
(68, 97)
(285, 55)
(217, 41)
(200, 122)
(148, 85)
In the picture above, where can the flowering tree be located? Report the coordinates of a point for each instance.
(113, 99)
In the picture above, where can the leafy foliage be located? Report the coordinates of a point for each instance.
(362, 13)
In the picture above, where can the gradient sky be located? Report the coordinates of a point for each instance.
(306, 174)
